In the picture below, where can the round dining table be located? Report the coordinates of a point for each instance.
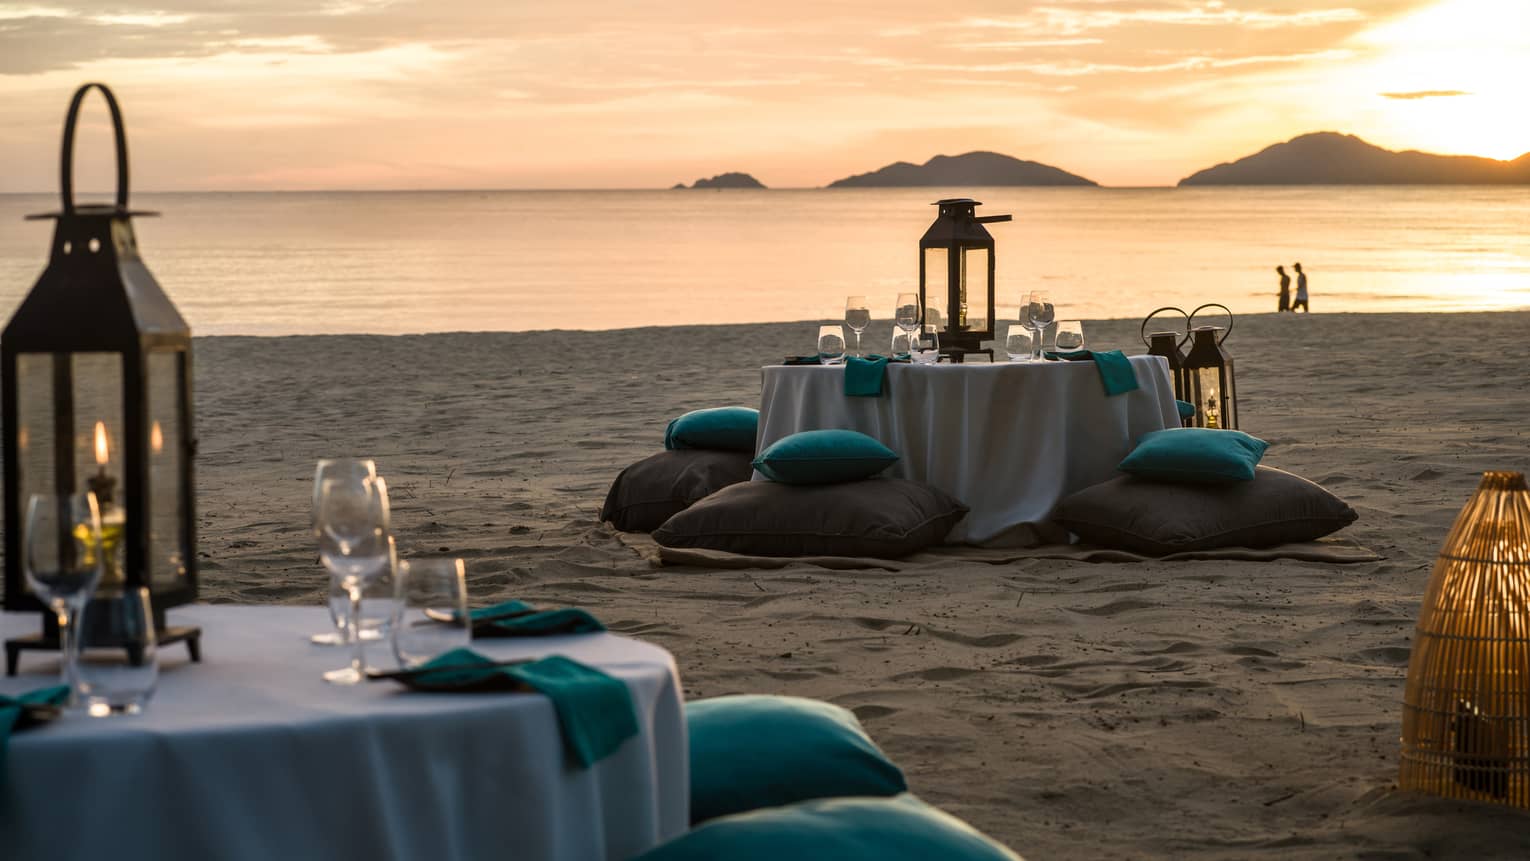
(1008, 439)
(250, 755)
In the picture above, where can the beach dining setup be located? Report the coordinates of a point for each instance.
(408, 716)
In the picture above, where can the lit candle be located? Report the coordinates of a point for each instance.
(102, 484)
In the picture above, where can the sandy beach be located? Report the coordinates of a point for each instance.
(1071, 710)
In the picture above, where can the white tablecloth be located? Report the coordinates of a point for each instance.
(251, 755)
(1008, 439)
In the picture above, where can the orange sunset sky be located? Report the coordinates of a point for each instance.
(375, 94)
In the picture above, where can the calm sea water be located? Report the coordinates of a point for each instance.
(297, 263)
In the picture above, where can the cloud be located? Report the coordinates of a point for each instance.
(1425, 94)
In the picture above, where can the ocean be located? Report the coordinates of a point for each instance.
(409, 262)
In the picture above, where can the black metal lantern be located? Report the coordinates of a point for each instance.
(1210, 385)
(956, 266)
(1169, 345)
(96, 370)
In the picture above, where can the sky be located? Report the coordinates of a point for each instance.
(404, 94)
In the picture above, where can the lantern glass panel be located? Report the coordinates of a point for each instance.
(1208, 388)
(34, 420)
(936, 276)
(974, 284)
(168, 542)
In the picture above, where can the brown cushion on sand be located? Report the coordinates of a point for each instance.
(882, 518)
(650, 491)
(1157, 518)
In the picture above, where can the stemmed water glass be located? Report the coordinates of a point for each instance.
(857, 317)
(63, 563)
(906, 314)
(1038, 313)
(354, 544)
(338, 469)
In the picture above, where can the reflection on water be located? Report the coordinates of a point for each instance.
(444, 261)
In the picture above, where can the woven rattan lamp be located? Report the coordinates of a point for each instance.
(1466, 713)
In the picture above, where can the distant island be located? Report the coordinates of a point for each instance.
(1330, 158)
(971, 169)
(724, 180)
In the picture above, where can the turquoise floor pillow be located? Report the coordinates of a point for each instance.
(1195, 455)
(824, 457)
(752, 751)
(838, 829)
(720, 428)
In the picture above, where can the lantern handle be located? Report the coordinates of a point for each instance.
(1143, 333)
(1191, 322)
(66, 165)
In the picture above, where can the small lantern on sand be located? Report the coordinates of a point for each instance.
(1466, 711)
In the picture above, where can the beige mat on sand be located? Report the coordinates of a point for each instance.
(1323, 550)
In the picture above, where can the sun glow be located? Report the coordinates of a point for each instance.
(1452, 75)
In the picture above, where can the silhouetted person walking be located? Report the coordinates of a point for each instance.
(1285, 290)
(1301, 290)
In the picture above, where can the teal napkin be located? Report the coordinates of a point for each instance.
(1186, 409)
(595, 711)
(519, 619)
(863, 377)
(1115, 369)
(14, 715)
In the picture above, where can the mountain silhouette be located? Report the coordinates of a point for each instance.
(725, 180)
(1330, 158)
(971, 169)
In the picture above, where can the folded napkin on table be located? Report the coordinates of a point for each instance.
(519, 619)
(864, 377)
(1115, 369)
(1186, 409)
(595, 710)
(802, 360)
(14, 714)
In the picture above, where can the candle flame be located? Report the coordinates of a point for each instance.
(102, 451)
(156, 438)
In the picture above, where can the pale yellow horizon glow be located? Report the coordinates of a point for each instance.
(405, 94)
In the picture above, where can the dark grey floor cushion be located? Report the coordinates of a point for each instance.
(1157, 518)
(883, 518)
(650, 491)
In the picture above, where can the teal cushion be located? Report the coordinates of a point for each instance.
(824, 457)
(752, 751)
(840, 829)
(1195, 455)
(720, 428)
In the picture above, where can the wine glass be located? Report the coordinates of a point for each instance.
(1018, 341)
(831, 344)
(906, 313)
(343, 469)
(430, 615)
(857, 317)
(116, 674)
(354, 544)
(62, 563)
(1069, 336)
(1038, 313)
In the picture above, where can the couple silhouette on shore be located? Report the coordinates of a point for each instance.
(1285, 290)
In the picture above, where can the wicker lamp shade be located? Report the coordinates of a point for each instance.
(1466, 712)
